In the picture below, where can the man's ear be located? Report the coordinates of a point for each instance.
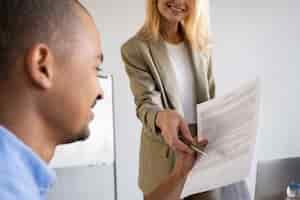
(39, 66)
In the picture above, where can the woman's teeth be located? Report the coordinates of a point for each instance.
(176, 8)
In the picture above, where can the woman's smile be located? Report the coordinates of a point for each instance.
(176, 9)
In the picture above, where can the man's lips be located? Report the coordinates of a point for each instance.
(94, 104)
(92, 115)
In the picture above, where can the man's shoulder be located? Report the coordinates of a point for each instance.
(14, 182)
(8, 157)
(14, 187)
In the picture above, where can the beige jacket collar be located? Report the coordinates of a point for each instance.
(167, 73)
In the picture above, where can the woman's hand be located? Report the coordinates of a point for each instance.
(171, 124)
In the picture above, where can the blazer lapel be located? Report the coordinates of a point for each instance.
(198, 62)
(166, 72)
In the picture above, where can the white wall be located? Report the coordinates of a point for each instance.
(261, 37)
(84, 183)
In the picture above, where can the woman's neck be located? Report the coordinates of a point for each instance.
(171, 32)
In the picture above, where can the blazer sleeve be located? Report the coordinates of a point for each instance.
(211, 79)
(147, 97)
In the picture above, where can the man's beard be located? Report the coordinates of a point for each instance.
(81, 136)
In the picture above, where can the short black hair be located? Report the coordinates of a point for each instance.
(26, 22)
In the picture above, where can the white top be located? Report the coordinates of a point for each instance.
(185, 78)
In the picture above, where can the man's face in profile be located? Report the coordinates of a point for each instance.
(76, 86)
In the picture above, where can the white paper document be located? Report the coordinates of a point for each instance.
(230, 124)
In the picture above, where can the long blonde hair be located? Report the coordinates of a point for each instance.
(195, 26)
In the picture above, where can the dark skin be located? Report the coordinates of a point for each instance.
(19, 104)
(49, 98)
(47, 101)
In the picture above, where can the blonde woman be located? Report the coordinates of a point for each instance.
(168, 63)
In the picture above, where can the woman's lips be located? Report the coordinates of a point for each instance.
(176, 8)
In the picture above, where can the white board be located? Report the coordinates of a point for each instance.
(98, 149)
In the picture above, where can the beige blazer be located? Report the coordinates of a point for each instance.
(153, 84)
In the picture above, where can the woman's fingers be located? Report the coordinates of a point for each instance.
(185, 131)
(178, 143)
(180, 146)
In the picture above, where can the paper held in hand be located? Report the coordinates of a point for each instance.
(230, 124)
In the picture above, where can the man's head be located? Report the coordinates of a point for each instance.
(50, 52)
